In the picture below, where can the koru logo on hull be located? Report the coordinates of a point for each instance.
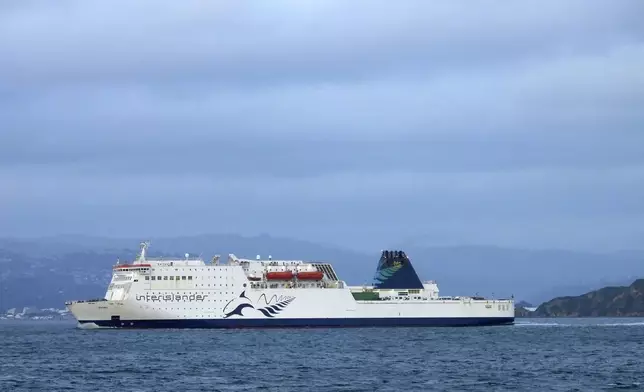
(273, 306)
(172, 298)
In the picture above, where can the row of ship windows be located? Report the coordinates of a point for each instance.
(202, 309)
(184, 269)
(165, 277)
(172, 277)
(191, 316)
(189, 293)
(184, 277)
(147, 269)
(221, 301)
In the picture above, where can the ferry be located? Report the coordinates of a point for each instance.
(262, 293)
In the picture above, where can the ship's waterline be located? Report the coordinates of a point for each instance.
(190, 293)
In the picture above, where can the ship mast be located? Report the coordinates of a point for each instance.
(144, 246)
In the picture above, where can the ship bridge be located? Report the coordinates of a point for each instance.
(126, 274)
(143, 263)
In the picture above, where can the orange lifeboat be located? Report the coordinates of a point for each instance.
(282, 275)
(312, 275)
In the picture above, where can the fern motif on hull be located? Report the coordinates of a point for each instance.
(243, 302)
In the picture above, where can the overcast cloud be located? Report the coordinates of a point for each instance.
(361, 123)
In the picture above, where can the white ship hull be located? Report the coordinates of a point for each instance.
(222, 296)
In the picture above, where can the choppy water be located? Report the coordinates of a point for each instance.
(534, 355)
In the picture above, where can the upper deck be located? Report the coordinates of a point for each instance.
(257, 270)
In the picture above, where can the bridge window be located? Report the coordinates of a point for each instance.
(147, 278)
(165, 278)
(154, 278)
(189, 277)
(183, 277)
(172, 278)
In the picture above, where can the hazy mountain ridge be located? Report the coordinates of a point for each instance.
(48, 271)
(613, 301)
(33, 280)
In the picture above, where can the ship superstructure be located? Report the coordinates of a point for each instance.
(190, 293)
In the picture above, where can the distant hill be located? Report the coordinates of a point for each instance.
(619, 301)
(520, 311)
(523, 304)
(48, 271)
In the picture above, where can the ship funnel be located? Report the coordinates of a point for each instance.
(396, 272)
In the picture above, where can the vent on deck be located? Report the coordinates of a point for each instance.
(328, 271)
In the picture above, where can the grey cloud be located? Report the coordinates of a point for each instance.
(254, 158)
(496, 124)
(465, 122)
(244, 44)
(535, 192)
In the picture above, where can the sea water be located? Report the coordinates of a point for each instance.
(533, 355)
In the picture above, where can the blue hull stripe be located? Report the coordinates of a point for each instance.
(305, 323)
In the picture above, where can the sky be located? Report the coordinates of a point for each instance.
(357, 123)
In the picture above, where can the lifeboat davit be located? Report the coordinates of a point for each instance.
(312, 275)
(281, 275)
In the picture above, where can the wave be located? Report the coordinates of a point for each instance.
(581, 323)
(89, 326)
(540, 324)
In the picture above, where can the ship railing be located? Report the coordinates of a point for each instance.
(85, 301)
(169, 258)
